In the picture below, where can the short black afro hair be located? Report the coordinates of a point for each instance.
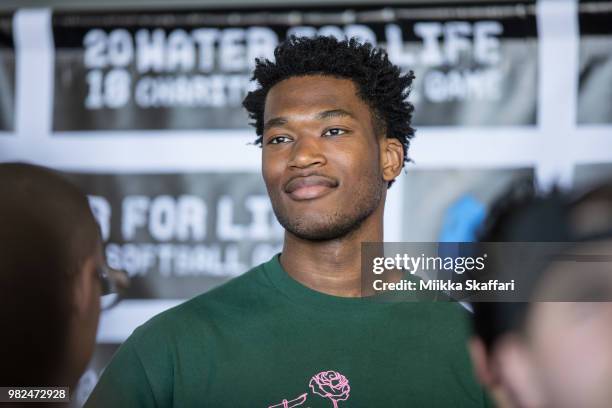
(380, 83)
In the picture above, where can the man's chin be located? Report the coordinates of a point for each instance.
(315, 235)
(313, 231)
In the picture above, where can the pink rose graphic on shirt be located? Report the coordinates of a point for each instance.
(331, 385)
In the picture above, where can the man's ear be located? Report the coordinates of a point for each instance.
(392, 157)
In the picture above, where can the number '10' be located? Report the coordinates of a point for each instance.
(107, 90)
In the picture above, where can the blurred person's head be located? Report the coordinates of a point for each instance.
(50, 255)
(552, 353)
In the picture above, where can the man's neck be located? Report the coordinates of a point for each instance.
(334, 266)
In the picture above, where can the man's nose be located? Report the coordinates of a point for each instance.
(306, 152)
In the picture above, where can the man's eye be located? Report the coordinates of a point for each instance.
(279, 139)
(334, 132)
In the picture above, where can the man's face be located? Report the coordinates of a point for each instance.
(320, 157)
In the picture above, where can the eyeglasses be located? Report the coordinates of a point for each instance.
(114, 284)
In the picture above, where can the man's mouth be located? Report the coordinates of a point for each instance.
(309, 187)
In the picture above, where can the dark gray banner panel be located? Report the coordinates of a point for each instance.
(178, 235)
(475, 65)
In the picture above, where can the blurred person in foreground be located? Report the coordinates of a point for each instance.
(333, 123)
(555, 351)
(50, 266)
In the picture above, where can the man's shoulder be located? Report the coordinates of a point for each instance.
(241, 293)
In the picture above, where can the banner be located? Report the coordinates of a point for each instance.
(7, 74)
(475, 65)
(178, 235)
(595, 54)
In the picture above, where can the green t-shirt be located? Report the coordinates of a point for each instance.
(265, 340)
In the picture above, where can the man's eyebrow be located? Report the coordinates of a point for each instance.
(334, 113)
(275, 122)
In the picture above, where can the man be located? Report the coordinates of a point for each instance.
(50, 261)
(334, 125)
(554, 351)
